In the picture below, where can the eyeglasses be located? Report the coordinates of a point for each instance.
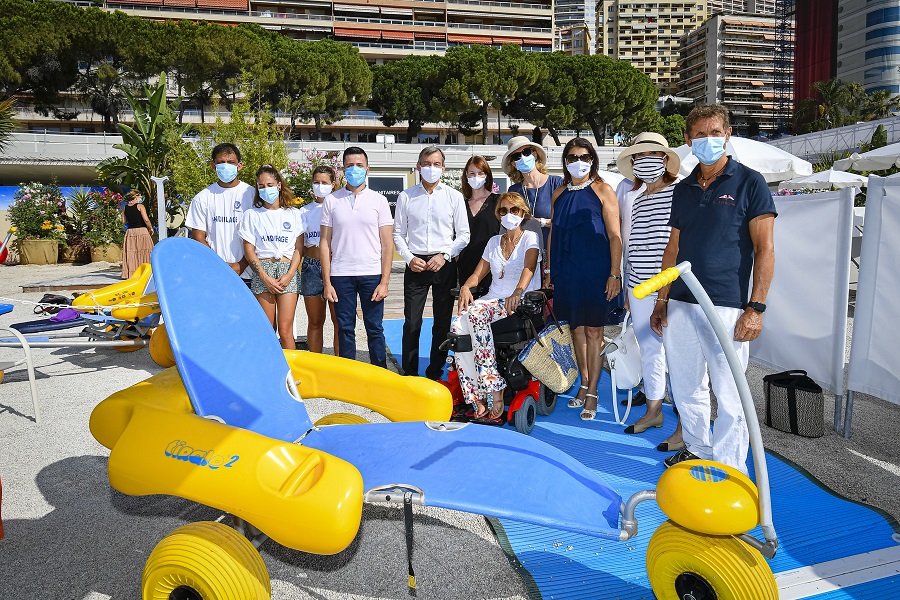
(513, 210)
(571, 158)
(521, 153)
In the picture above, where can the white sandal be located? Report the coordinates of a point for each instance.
(577, 402)
(587, 414)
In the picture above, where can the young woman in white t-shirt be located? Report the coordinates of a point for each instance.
(511, 258)
(311, 287)
(270, 231)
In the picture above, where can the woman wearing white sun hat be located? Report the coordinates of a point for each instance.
(645, 210)
(525, 162)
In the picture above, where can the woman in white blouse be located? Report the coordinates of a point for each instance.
(270, 230)
(511, 258)
(311, 286)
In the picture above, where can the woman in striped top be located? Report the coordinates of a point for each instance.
(645, 209)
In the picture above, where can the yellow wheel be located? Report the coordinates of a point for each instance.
(124, 339)
(683, 564)
(341, 419)
(160, 349)
(1, 376)
(205, 561)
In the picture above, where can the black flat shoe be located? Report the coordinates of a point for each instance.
(681, 456)
(638, 399)
(667, 447)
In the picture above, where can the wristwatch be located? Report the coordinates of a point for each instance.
(447, 257)
(757, 306)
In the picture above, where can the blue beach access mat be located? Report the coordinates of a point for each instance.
(830, 548)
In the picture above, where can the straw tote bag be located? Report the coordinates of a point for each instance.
(550, 356)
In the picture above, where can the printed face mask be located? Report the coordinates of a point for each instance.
(321, 190)
(709, 149)
(578, 169)
(649, 168)
(355, 175)
(476, 183)
(226, 172)
(431, 174)
(269, 194)
(525, 164)
(510, 221)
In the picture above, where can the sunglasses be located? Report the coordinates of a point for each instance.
(572, 158)
(513, 210)
(520, 154)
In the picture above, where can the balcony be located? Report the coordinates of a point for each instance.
(499, 28)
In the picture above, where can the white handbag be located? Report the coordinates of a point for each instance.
(624, 357)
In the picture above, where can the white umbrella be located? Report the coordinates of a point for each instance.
(774, 163)
(873, 160)
(825, 180)
(613, 179)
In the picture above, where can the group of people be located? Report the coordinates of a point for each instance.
(574, 233)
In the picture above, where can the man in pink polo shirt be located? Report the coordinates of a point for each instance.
(357, 248)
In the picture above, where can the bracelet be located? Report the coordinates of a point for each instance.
(619, 277)
(658, 299)
(546, 271)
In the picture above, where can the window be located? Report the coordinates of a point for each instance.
(365, 137)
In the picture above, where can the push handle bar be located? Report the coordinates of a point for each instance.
(658, 281)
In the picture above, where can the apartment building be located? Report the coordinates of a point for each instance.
(868, 43)
(647, 35)
(731, 7)
(730, 60)
(576, 26)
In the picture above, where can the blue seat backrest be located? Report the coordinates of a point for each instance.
(227, 354)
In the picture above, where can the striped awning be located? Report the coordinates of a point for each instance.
(469, 39)
(430, 35)
(363, 33)
(536, 42)
(504, 40)
(397, 35)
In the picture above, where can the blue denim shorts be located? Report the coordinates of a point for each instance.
(311, 277)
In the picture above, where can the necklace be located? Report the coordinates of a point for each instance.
(704, 181)
(575, 188)
(504, 255)
(532, 205)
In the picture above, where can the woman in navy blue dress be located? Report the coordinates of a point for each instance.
(586, 264)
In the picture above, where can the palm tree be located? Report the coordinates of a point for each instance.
(7, 122)
(881, 105)
(833, 97)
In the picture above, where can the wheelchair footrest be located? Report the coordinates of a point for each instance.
(457, 343)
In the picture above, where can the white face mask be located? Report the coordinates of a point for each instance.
(510, 221)
(431, 174)
(578, 169)
(321, 190)
(476, 182)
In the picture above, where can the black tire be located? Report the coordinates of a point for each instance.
(546, 404)
(526, 415)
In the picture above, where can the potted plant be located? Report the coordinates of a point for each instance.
(77, 249)
(105, 231)
(36, 213)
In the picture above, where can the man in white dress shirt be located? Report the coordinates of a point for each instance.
(431, 228)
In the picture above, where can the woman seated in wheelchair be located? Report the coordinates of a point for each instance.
(511, 258)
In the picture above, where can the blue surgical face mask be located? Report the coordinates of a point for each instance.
(525, 164)
(226, 172)
(355, 175)
(708, 149)
(269, 194)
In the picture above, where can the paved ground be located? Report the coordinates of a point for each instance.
(70, 536)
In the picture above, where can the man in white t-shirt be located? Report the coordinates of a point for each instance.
(215, 213)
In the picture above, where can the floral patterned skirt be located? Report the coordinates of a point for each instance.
(477, 370)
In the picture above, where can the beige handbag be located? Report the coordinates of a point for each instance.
(550, 356)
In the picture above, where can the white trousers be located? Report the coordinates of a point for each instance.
(691, 349)
(653, 353)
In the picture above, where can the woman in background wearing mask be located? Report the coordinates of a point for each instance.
(653, 167)
(138, 237)
(270, 230)
(511, 259)
(585, 264)
(525, 163)
(311, 288)
(481, 208)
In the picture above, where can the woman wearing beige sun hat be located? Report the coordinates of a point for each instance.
(526, 164)
(645, 209)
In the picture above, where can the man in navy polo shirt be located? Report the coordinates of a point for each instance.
(722, 222)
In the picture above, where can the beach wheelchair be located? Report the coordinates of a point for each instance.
(228, 428)
(524, 397)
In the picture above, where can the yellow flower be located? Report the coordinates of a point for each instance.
(60, 228)
(47, 225)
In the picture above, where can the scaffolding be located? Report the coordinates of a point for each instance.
(783, 74)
